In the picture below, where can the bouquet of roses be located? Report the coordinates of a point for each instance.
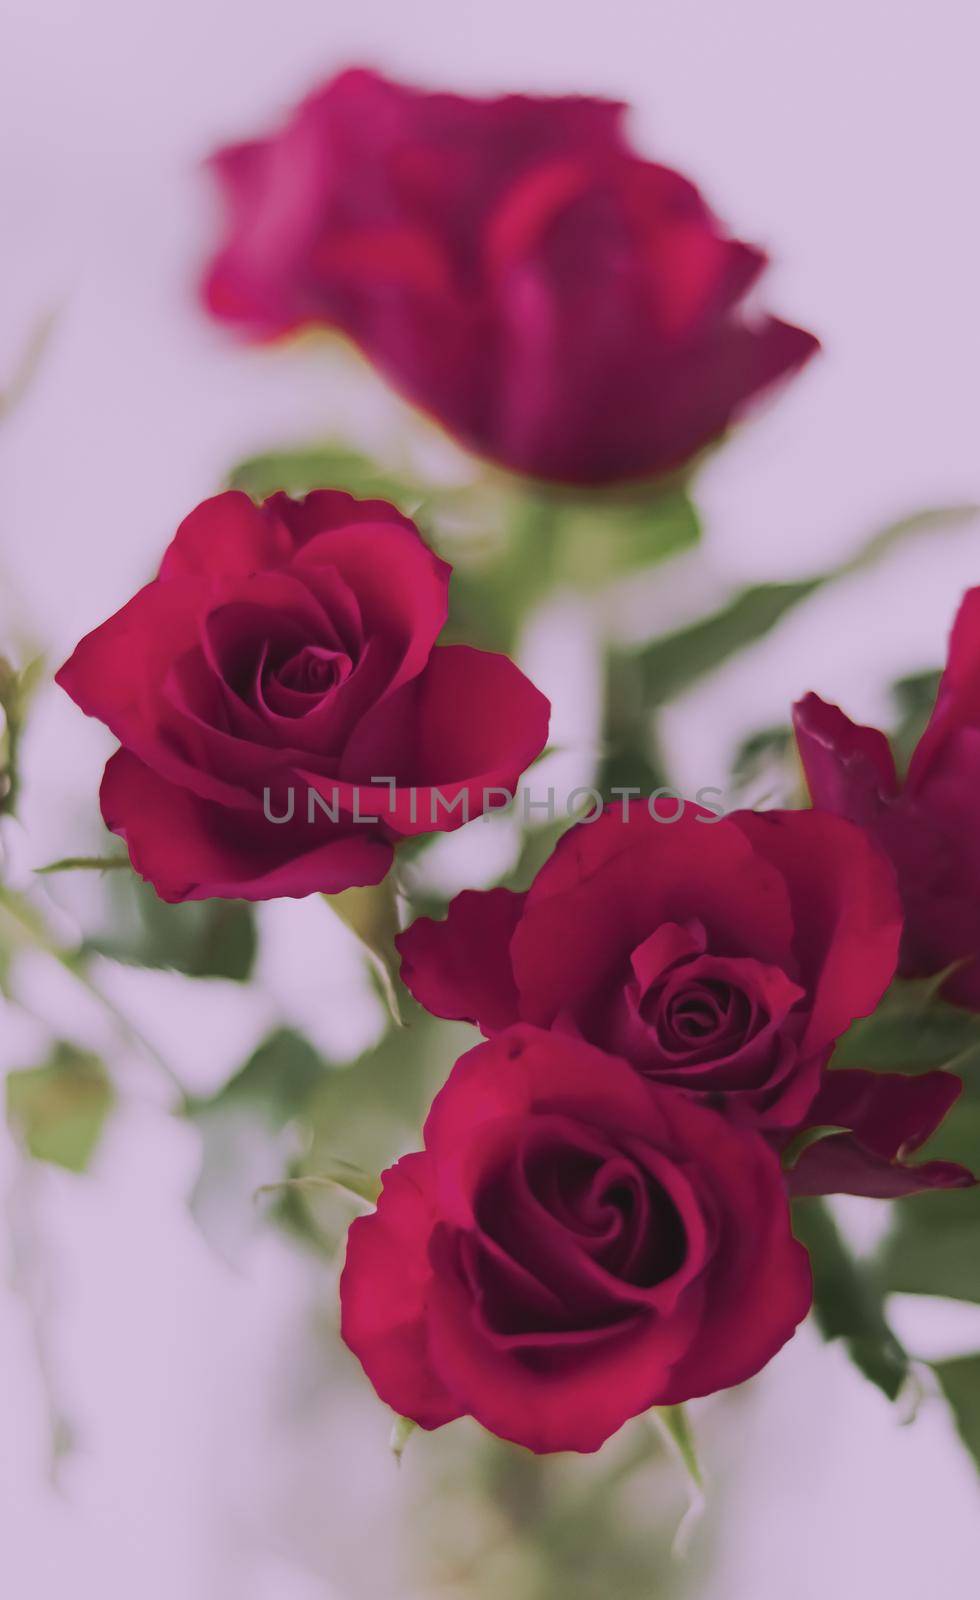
(700, 1016)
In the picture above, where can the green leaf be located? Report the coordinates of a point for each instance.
(938, 1259)
(325, 466)
(602, 539)
(249, 1133)
(766, 766)
(934, 1243)
(401, 1432)
(934, 519)
(673, 1424)
(201, 938)
(17, 690)
(960, 1383)
(371, 914)
(802, 1141)
(848, 1301)
(277, 1080)
(59, 1109)
(395, 1082)
(916, 698)
(673, 663)
(336, 1174)
(498, 581)
(84, 864)
(911, 1031)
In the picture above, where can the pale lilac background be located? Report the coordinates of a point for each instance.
(842, 136)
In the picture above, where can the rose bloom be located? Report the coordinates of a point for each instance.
(571, 1248)
(560, 305)
(721, 958)
(284, 659)
(927, 822)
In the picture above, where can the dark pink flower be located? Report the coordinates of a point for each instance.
(927, 823)
(283, 665)
(572, 1247)
(721, 958)
(560, 305)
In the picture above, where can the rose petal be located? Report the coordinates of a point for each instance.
(889, 1116)
(192, 849)
(847, 914)
(470, 724)
(849, 768)
(615, 882)
(460, 968)
(225, 536)
(384, 1288)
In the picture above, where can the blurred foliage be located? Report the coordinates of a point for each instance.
(960, 1383)
(372, 1111)
(58, 1110)
(934, 1244)
(371, 914)
(292, 1136)
(672, 664)
(492, 1520)
(766, 769)
(17, 386)
(201, 938)
(510, 543)
(17, 689)
(612, 536)
(848, 1302)
(297, 472)
(276, 1081)
(248, 1131)
(631, 751)
(111, 863)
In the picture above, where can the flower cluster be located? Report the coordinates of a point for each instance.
(599, 1221)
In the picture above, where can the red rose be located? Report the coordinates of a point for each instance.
(928, 823)
(282, 660)
(560, 305)
(722, 958)
(571, 1248)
